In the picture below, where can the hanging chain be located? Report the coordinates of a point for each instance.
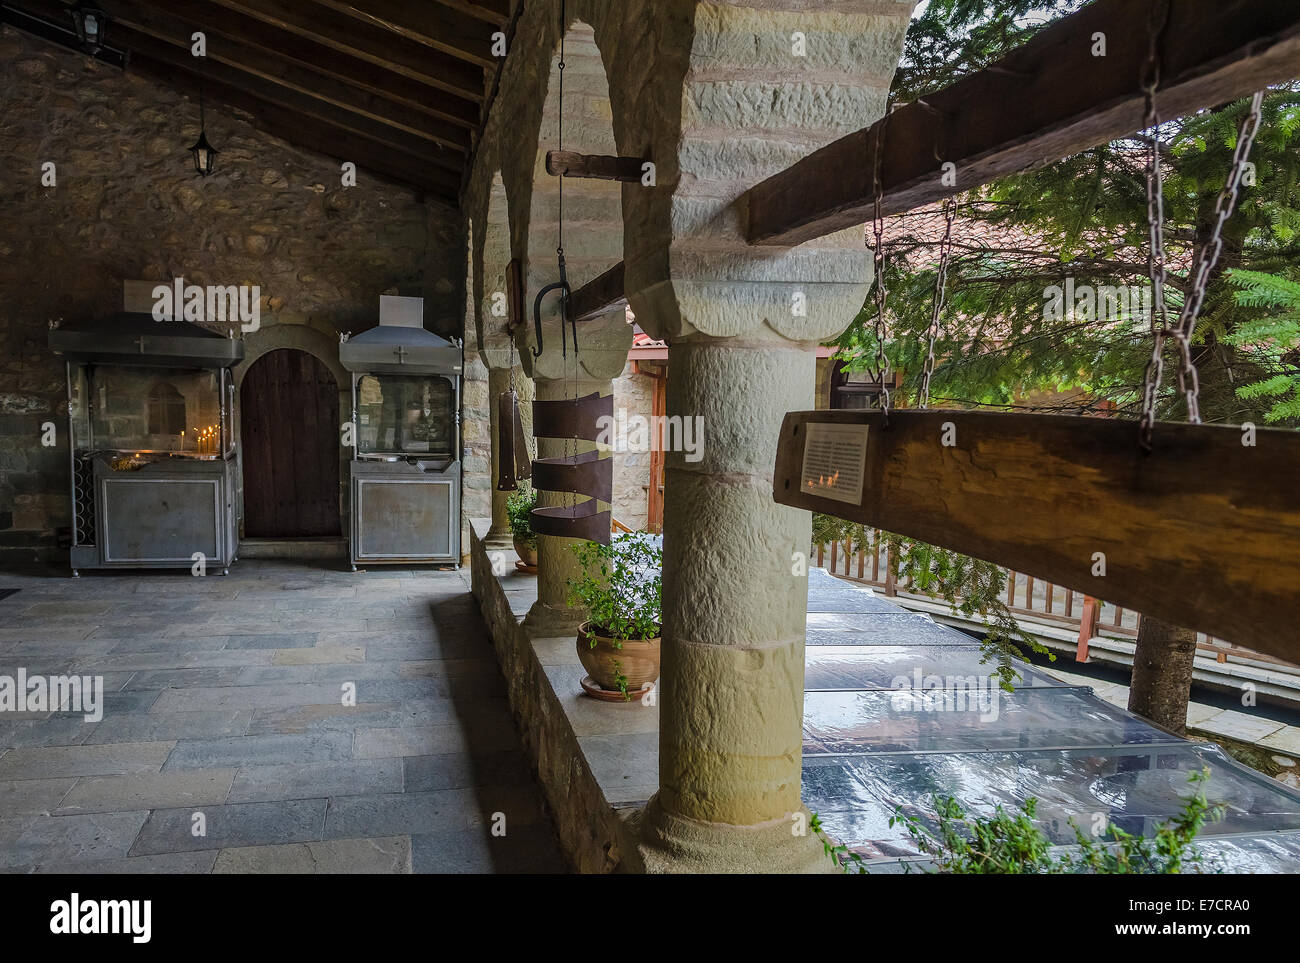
(1181, 331)
(570, 444)
(878, 232)
(936, 309)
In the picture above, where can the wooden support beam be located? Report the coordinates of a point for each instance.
(428, 23)
(140, 28)
(391, 137)
(1087, 627)
(1046, 100)
(366, 41)
(569, 163)
(310, 133)
(1203, 532)
(493, 11)
(600, 294)
(306, 52)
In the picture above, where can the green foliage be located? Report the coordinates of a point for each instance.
(1273, 337)
(1012, 843)
(952, 38)
(519, 507)
(1085, 217)
(970, 587)
(621, 587)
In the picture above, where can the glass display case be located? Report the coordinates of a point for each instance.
(406, 471)
(406, 415)
(152, 455)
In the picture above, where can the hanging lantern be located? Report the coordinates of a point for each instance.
(204, 155)
(91, 24)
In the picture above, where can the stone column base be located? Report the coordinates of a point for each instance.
(499, 540)
(545, 621)
(672, 844)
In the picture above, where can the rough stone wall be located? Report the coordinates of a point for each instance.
(590, 830)
(127, 205)
(633, 393)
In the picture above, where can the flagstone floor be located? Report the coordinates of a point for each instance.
(228, 744)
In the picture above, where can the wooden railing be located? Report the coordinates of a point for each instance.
(1026, 596)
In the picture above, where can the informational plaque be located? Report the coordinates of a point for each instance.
(834, 461)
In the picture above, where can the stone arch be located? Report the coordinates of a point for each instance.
(493, 262)
(592, 209)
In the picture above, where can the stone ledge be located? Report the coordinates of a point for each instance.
(597, 762)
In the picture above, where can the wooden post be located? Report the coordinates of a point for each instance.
(1087, 626)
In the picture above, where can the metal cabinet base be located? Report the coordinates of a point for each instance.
(405, 513)
(170, 514)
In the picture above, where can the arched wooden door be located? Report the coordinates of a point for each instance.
(289, 430)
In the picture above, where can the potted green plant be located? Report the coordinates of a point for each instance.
(519, 506)
(621, 587)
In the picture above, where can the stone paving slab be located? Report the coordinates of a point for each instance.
(32, 796)
(522, 850)
(229, 700)
(376, 855)
(107, 760)
(165, 863)
(66, 838)
(305, 780)
(108, 794)
(259, 750)
(462, 770)
(238, 824)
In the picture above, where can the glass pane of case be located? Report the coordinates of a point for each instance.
(151, 410)
(405, 415)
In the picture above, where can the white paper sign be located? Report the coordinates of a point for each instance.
(834, 461)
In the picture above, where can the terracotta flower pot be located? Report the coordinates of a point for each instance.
(527, 553)
(637, 659)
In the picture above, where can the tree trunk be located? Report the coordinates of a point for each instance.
(1162, 673)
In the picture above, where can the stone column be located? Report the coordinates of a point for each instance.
(731, 709)
(498, 535)
(603, 344)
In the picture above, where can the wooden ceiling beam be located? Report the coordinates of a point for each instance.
(428, 23)
(420, 148)
(368, 42)
(496, 12)
(1048, 99)
(307, 132)
(306, 52)
(137, 27)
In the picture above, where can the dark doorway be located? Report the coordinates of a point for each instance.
(289, 429)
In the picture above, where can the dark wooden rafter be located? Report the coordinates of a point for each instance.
(496, 12)
(309, 53)
(600, 295)
(569, 163)
(1203, 532)
(1046, 100)
(308, 132)
(433, 24)
(392, 137)
(143, 30)
(366, 41)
